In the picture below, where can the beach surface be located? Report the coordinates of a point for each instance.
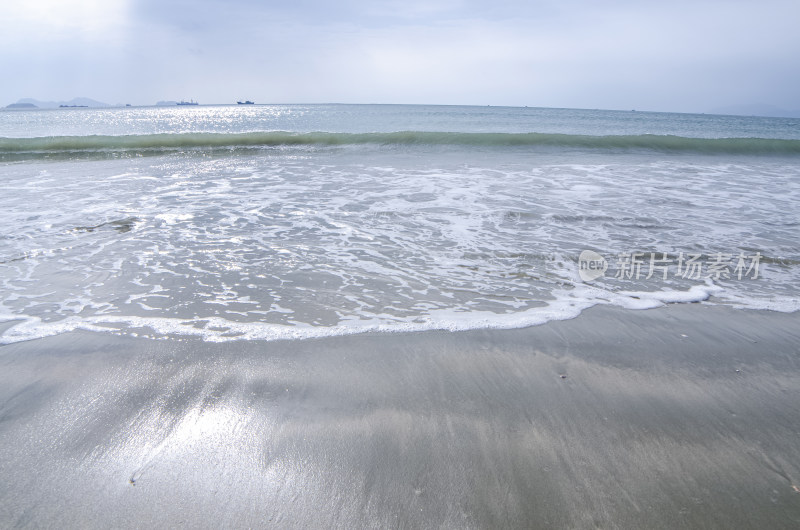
(686, 416)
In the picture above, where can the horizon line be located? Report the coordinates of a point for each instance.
(787, 114)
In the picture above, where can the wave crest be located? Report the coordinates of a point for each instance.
(9, 147)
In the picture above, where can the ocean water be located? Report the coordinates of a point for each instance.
(292, 221)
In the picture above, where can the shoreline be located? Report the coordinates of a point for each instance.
(680, 416)
(218, 330)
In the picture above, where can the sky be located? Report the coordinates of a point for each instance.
(678, 55)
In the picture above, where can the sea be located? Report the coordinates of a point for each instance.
(269, 222)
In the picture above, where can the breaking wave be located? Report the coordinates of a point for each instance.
(44, 146)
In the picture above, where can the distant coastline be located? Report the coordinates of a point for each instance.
(30, 103)
(749, 110)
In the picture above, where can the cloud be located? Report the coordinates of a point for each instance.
(41, 23)
(685, 56)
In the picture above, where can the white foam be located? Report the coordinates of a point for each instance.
(173, 218)
(374, 245)
(781, 304)
(651, 299)
(216, 329)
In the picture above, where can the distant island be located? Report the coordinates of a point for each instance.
(30, 103)
(764, 110)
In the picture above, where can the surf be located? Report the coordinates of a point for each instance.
(43, 146)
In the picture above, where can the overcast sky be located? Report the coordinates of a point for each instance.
(677, 55)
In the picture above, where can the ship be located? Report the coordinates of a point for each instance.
(248, 102)
(190, 102)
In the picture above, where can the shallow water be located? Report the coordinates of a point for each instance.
(474, 223)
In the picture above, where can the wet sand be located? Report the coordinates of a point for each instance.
(682, 417)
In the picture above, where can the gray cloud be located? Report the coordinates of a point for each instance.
(683, 56)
